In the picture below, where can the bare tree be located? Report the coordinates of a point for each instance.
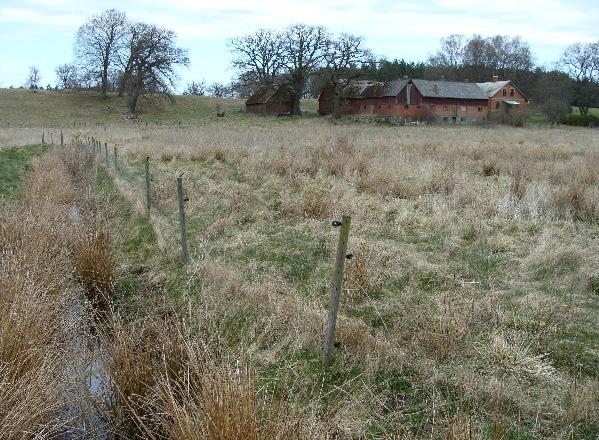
(219, 90)
(151, 63)
(258, 54)
(67, 76)
(34, 78)
(98, 42)
(451, 52)
(195, 88)
(303, 49)
(503, 53)
(581, 62)
(343, 56)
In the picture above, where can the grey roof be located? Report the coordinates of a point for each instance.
(449, 89)
(392, 88)
(375, 89)
(491, 88)
(264, 93)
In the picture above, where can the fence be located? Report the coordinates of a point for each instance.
(130, 175)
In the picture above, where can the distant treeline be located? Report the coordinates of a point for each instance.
(113, 53)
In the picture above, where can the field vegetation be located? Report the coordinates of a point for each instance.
(469, 308)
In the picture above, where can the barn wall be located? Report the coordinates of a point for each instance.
(270, 108)
(255, 108)
(499, 98)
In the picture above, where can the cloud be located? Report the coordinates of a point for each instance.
(31, 16)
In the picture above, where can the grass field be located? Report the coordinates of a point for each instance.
(470, 306)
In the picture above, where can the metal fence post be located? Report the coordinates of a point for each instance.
(336, 287)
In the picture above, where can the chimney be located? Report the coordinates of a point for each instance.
(466, 80)
(495, 78)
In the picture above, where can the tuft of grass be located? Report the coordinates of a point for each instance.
(491, 169)
(94, 265)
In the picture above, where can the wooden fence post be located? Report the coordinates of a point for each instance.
(336, 288)
(61, 139)
(43, 137)
(116, 164)
(148, 196)
(106, 150)
(52, 138)
(182, 224)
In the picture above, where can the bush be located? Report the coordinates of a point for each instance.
(581, 120)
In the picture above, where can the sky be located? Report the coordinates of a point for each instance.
(41, 32)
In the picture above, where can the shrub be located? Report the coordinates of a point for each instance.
(581, 120)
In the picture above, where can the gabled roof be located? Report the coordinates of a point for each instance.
(491, 88)
(392, 88)
(375, 89)
(266, 92)
(449, 89)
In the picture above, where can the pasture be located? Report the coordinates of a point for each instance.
(469, 308)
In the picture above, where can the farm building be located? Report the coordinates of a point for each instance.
(503, 95)
(270, 100)
(449, 101)
(365, 97)
(414, 100)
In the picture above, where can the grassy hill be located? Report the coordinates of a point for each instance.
(22, 107)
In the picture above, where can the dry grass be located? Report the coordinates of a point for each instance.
(94, 266)
(34, 277)
(168, 383)
(468, 314)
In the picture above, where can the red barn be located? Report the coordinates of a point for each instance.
(270, 100)
(413, 100)
(449, 101)
(503, 95)
(366, 97)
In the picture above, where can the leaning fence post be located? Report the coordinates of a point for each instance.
(336, 287)
(116, 164)
(148, 196)
(184, 251)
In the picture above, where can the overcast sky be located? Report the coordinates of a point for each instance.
(41, 32)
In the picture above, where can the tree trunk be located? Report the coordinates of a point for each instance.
(132, 101)
(298, 88)
(105, 77)
(296, 109)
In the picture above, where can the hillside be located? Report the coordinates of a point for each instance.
(22, 107)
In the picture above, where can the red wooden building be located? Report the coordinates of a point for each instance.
(270, 100)
(413, 100)
(503, 95)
